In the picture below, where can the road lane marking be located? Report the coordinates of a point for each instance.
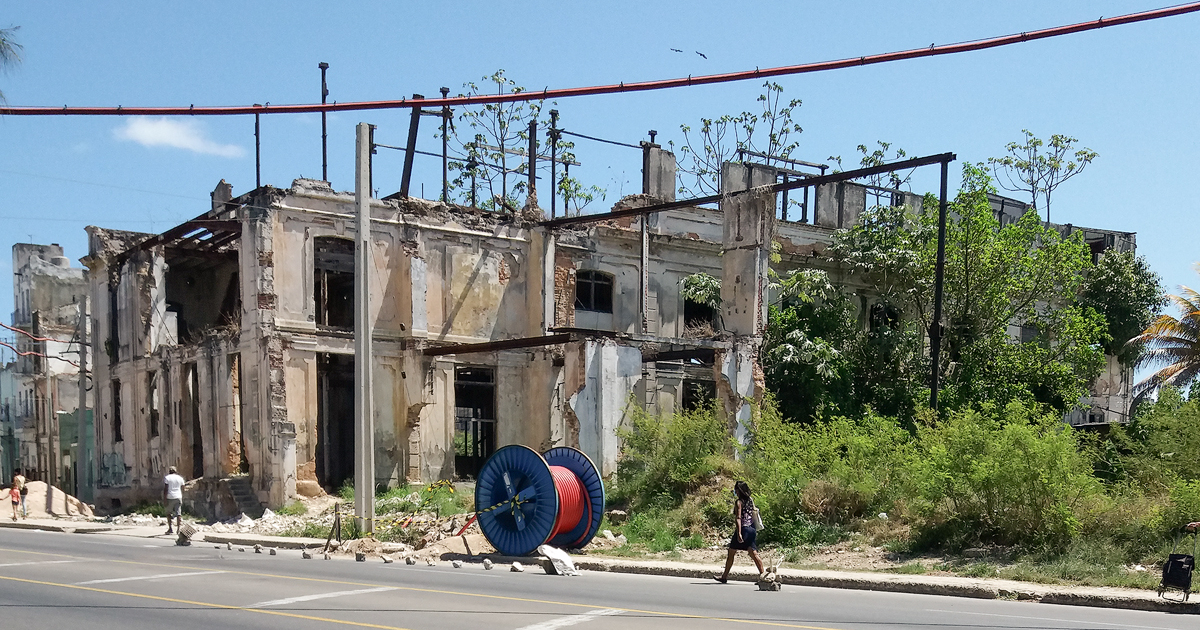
(563, 622)
(147, 577)
(309, 598)
(21, 564)
(657, 613)
(1060, 620)
(278, 613)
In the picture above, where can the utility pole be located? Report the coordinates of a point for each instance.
(257, 153)
(324, 130)
(445, 148)
(83, 468)
(553, 157)
(364, 433)
(935, 329)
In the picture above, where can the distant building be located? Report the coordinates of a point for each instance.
(39, 389)
(1111, 396)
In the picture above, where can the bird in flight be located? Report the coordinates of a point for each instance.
(702, 54)
(676, 50)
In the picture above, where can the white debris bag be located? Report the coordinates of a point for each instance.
(559, 559)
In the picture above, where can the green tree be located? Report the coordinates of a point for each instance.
(1023, 276)
(1123, 289)
(1173, 343)
(717, 141)
(878, 157)
(490, 143)
(1039, 167)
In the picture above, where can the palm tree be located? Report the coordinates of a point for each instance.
(10, 50)
(1172, 343)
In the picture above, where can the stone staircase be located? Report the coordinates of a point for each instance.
(243, 494)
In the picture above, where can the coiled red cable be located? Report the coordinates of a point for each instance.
(572, 500)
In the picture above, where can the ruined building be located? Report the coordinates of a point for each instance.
(225, 345)
(40, 392)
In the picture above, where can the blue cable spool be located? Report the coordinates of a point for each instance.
(520, 503)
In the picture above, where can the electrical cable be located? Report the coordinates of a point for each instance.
(572, 499)
(579, 135)
(643, 86)
(31, 336)
(36, 354)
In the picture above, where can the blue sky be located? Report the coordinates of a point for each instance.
(1128, 92)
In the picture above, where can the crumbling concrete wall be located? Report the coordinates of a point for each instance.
(610, 372)
(747, 240)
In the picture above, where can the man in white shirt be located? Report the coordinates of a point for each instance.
(173, 493)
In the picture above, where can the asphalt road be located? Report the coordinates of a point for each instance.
(97, 581)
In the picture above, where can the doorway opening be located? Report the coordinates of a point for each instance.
(474, 419)
(191, 421)
(335, 420)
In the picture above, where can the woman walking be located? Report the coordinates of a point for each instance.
(743, 530)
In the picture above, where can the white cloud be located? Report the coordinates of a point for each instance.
(169, 132)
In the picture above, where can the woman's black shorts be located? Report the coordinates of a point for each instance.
(747, 543)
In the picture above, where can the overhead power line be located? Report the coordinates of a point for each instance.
(455, 101)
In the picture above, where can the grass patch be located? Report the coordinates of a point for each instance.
(306, 530)
(1088, 563)
(912, 568)
(295, 508)
(149, 509)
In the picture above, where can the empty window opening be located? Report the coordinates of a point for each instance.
(203, 292)
(113, 345)
(699, 320)
(333, 282)
(192, 453)
(474, 419)
(884, 316)
(593, 291)
(1097, 246)
(697, 394)
(116, 411)
(237, 404)
(335, 420)
(152, 404)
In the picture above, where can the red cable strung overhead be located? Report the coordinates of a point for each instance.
(36, 354)
(931, 51)
(31, 336)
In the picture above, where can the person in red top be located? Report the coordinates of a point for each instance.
(15, 495)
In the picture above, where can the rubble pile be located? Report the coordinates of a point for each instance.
(46, 501)
(398, 531)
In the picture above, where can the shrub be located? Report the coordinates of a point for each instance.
(1184, 507)
(1008, 478)
(815, 480)
(665, 458)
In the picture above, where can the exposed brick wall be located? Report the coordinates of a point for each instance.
(564, 291)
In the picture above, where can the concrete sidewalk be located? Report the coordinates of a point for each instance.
(979, 588)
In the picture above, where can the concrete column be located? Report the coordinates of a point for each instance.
(746, 249)
(364, 433)
(658, 172)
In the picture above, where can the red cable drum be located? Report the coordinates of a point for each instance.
(572, 500)
(555, 498)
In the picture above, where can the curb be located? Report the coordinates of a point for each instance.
(1132, 600)
(71, 528)
(276, 542)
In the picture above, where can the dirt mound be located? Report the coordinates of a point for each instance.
(369, 546)
(45, 501)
